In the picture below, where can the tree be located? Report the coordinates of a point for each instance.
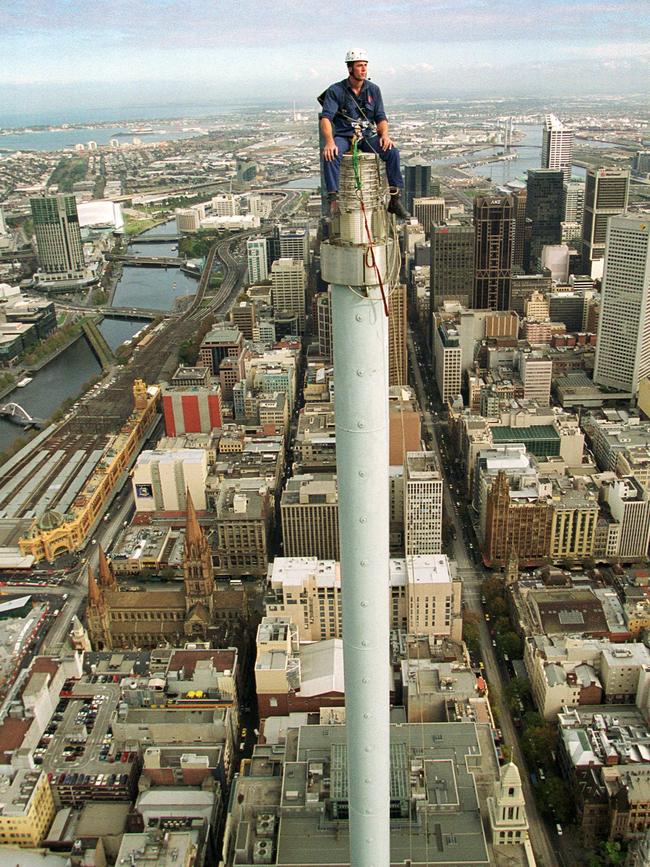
(509, 642)
(517, 689)
(538, 743)
(556, 799)
(471, 637)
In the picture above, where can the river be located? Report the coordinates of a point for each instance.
(153, 288)
(61, 379)
(528, 150)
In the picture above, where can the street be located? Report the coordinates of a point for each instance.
(472, 576)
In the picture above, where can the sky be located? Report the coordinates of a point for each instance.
(65, 54)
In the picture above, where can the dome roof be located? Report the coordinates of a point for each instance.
(50, 520)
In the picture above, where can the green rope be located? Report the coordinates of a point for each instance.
(355, 164)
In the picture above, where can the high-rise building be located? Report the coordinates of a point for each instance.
(452, 264)
(641, 162)
(557, 146)
(494, 225)
(3, 223)
(324, 324)
(309, 510)
(187, 219)
(218, 344)
(397, 330)
(288, 286)
(244, 317)
(417, 181)
(257, 254)
(623, 348)
(294, 244)
(574, 201)
(544, 209)
(447, 354)
(58, 237)
(522, 526)
(428, 211)
(162, 479)
(191, 402)
(606, 195)
(422, 504)
(519, 198)
(225, 205)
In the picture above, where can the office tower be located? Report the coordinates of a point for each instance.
(256, 252)
(606, 194)
(428, 211)
(641, 162)
(422, 504)
(573, 201)
(523, 286)
(448, 354)
(288, 286)
(225, 205)
(221, 343)
(623, 348)
(519, 199)
(397, 330)
(161, 479)
(273, 246)
(244, 316)
(56, 225)
(187, 219)
(294, 244)
(557, 146)
(494, 225)
(324, 324)
(191, 402)
(417, 181)
(3, 223)
(544, 210)
(452, 264)
(309, 510)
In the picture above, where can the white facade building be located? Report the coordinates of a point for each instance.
(294, 244)
(225, 205)
(161, 480)
(557, 146)
(574, 201)
(258, 269)
(422, 504)
(288, 282)
(623, 348)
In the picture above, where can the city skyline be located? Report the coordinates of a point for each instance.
(77, 53)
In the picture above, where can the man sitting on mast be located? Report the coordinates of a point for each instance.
(354, 107)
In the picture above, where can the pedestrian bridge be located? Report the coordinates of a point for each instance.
(15, 413)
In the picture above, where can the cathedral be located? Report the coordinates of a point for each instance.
(198, 609)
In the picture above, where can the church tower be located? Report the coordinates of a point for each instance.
(507, 808)
(97, 616)
(198, 572)
(78, 635)
(511, 575)
(107, 579)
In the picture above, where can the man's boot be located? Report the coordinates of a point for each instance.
(333, 203)
(395, 205)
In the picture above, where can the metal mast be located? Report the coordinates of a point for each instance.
(355, 261)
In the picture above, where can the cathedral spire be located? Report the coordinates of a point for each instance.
(94, 593)
(106, 574)
(193, 531)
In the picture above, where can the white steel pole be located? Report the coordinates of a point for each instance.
(360, 329)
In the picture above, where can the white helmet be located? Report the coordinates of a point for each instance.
(356, 54)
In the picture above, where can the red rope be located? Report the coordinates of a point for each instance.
(373, 262)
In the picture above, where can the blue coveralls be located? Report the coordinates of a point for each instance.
(341, 103)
